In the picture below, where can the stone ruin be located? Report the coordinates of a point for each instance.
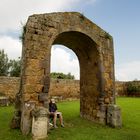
(94, 49)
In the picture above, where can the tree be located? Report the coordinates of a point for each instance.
(4, 63)
(57, 75)
(69, 76)
(15, 67)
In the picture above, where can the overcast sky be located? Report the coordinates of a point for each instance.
(120, 18)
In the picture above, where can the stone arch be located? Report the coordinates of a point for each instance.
(88, 56)
(94, 48)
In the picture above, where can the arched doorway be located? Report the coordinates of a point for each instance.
(64, 60)
(64, 84)
(88, 56)
(94, 48)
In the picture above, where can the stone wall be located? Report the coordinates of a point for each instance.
(64, 89)
(60, 89)
(130, 88)
(9, 86)
(121, 88)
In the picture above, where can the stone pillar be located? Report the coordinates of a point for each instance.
(26, 118)
(39, 123)
(114, 116)
(15, 123)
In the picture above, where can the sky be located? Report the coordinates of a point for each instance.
(120, 18)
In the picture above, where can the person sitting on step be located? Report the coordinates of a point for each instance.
(54, 114)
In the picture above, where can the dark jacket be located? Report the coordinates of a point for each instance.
(52, 107)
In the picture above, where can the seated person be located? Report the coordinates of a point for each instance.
(54, 113)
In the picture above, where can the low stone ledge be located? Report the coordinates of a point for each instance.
(4, 101)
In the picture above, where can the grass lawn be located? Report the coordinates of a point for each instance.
(77, 128)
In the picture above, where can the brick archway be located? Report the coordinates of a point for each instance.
(94, 49)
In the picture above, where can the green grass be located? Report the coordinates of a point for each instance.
(77, 128)
(6, 114)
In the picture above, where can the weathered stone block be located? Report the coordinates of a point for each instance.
(26, 119)
(39, 123)
(43, 97)
(4, 101)
(107, 101)
(114, 116)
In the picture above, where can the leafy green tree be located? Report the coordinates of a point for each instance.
(15, 67)
(23, 30)
(57, 75)
(69, 76)
(4, 63)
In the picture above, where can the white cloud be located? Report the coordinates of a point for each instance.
(12, 12)
(61, 62)
(128, 71)
(11, 46)
(90, 1)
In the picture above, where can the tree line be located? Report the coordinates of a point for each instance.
(12, 67)
(9, 67)
(59, 75)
